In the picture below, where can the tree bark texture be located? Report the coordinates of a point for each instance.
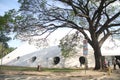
(97, 55)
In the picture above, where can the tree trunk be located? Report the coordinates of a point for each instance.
(97, 55)
(99, 59)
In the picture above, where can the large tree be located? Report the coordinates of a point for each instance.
(95, 19)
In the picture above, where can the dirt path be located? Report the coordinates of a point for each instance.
(88, 75)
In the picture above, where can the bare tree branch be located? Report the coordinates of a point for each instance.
(104, 38)
(114, 25)
(105, 26)
(109, 2)
(99, 10)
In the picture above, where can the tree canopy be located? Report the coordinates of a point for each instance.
(5, 28)
(95, 19)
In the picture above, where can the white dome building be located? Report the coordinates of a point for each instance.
(31, 56)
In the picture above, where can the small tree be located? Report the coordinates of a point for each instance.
(71, 44)
(5, 28)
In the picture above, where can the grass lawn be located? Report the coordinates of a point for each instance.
(19, 68)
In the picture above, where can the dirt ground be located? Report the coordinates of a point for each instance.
(85, 75)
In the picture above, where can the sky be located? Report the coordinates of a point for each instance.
(6, 5)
